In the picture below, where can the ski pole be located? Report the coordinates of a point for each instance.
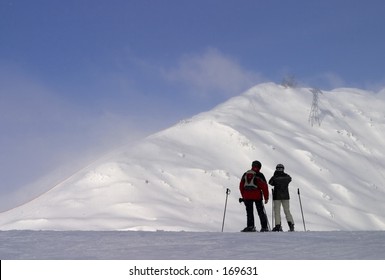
(272, 207)
(224, 213)
(300, 203)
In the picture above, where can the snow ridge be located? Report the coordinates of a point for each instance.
(176, 179)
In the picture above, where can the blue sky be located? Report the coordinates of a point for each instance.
(79, 77)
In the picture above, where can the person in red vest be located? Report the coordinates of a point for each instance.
(254, 189)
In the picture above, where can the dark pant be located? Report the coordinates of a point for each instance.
(250, 212)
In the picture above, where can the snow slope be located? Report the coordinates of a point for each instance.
(176, 180)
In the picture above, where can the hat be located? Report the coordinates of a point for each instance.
(279, 167)
(256, 163)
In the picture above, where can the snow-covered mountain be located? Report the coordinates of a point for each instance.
(177, 179)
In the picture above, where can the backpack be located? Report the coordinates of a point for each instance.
(249, 180)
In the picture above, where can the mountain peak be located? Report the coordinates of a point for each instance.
(176, 179)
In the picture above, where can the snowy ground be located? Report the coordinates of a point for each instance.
(161, 202)
(141, 245)
(175, 180)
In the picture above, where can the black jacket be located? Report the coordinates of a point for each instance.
(280, 181)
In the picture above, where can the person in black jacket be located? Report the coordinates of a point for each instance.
(280, 181)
